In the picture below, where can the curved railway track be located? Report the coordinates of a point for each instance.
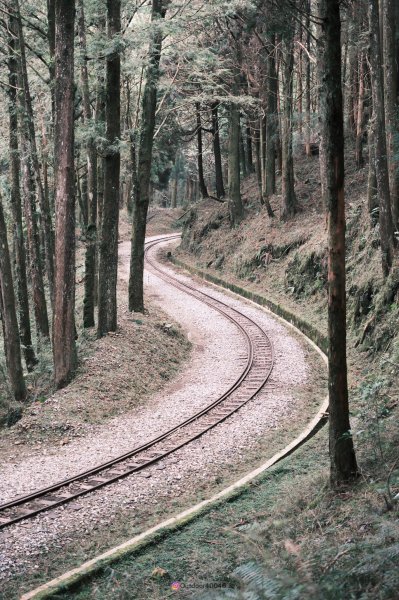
(258, 362)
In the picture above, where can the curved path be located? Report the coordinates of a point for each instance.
(258, 358)
(214, 367)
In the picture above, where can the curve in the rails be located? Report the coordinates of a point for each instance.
(259, 359)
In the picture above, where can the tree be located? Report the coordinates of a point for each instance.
(142, 199)
(9, 316)
(380, 147)
(64, 351)
(342, 454)
(108, 264)
(16, 201)
(91, 229)
(290, 203)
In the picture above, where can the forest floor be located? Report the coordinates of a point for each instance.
(291, 536)
(34, 454)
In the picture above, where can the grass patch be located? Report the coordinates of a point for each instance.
(287, 536)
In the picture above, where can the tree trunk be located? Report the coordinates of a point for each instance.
(372, 199)
(220, 192)
(16, 204)
(391, 107)
(64, 350)
(381, 163)
(51, 44)
(200, 160)
(243, 157)
(271, 120)
(307, 84)
(48, 233)
(91, 229)
(236, 208)
(290, 204)
(251, 166)
(108, 266)
(342, 455)
(359, 125)
(140, 208)
(35, 260)
(9, 316)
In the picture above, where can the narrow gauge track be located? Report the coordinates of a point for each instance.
(258, 363)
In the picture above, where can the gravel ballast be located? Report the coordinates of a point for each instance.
(215, 364)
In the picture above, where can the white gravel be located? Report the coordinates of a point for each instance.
(215, 364)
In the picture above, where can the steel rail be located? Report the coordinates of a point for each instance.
(30, 505)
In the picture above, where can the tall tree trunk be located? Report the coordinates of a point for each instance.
(271, 121)
(290, 203)
(236, 207)
(342, 455)
(220, 192)
(372, 199)
(35, 260)
(391, 85)
(243, 157)
(91, 230)
(248, 132)
(381, 163)
(308, 81)
(48, 233)
(108, 266)
(140, 207)
(64, 350)
(360, 119)
(51, 44)
(200, 150)
(9, 316)
(16, 203)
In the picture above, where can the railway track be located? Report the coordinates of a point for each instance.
(257, 363)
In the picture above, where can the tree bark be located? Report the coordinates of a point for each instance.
(9, 317)
(381, 163)
(108, 265)
(48, 233)
(16, 203)
(140, 207)
(271, 120)
(64, 350)
(236, 207)
(220, 191)
(343, 466)
(290, 203)
(391, 106)
(91, 229)
(359, 125)
(200, 150)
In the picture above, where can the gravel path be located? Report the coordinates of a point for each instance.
(216, 360)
